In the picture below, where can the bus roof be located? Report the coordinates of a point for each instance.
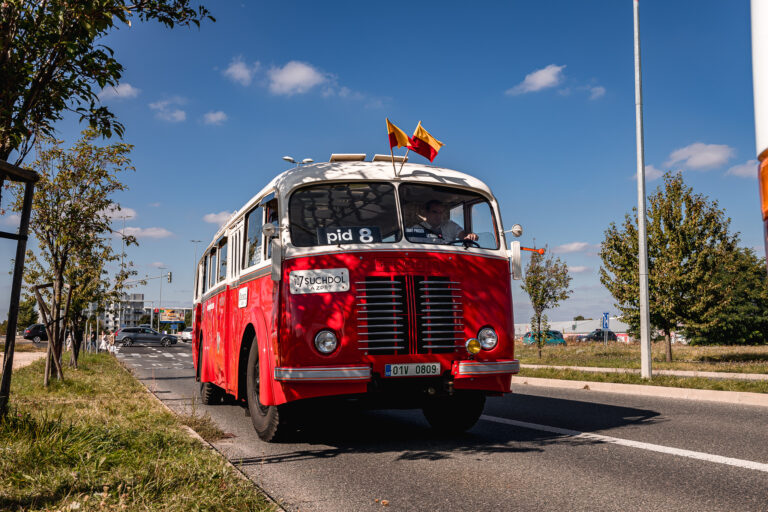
(288, 180)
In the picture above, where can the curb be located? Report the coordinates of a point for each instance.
(194, 435)
(676, 373)
(730, 397)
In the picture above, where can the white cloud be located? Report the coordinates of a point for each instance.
(166, 109)
(578, 269)
(240, 72)
(294, 78)
(571, 247)
(155, 205)
(596, 92)
(217, 218)
(157, 264)
(745, 170)
(652, 173)
(115, 214)
(148, 232)
(123, 91)
(549, 76)
(13, 219)
(699, 156)
(216, 117)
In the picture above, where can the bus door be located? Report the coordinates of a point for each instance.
(220, 312)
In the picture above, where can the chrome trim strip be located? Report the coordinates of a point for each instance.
(361, 373)
(488, 367)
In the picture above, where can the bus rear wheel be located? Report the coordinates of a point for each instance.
(210, 393)
(454, 414)
(269, 421)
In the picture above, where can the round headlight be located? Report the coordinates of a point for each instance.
(473, 346)
(487, 338)
(326, 342)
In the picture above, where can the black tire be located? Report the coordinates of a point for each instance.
(210, 393)
(270, 421)
(127, 342)
(36, 339)
(454, 414)
(166, 342)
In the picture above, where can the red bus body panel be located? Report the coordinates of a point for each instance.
(285, 324)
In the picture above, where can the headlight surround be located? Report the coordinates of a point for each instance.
(488, 338)
(326, 341)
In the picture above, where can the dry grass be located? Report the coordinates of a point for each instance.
(734, 359)
(25, 346)
(98, 441)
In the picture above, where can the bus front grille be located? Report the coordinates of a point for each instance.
(382, 315)
(409, 315)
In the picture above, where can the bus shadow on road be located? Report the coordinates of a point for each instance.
(350, 429)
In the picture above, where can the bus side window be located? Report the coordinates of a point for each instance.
(212, 268)
(204, 275)
(222, 260)
(253, 224)
(271, 217)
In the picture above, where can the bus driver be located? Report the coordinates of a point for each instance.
(435, 229)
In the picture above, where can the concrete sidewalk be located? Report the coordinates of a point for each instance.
(730, 397)
(21, 359)
(676, 373)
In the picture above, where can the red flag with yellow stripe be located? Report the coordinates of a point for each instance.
(425, 144)
(397, 137)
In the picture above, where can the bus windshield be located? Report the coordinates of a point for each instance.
(447, 216)
(344, 213)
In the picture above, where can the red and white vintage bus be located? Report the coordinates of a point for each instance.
(340, 279)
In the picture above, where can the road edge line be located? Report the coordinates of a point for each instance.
(706, 395)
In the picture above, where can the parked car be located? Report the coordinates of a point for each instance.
(131, 335)
(551, 338)
(36, 333)
(597, 335)
(186, 334)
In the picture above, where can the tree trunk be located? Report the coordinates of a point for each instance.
(538, 335)
(668, 340)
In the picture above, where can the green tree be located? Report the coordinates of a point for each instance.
(144, 319)
(188, 318)
(71, 224)
(51, 61)
(27, 312)
(578, 317)
(740, 316)
(688, 238)
(546, 282)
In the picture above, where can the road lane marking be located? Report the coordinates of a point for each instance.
(708, 457)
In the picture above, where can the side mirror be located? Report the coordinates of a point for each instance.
(516, 230)
(515, 262)
(269, 230)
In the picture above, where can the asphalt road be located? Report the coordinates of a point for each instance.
(536, 449)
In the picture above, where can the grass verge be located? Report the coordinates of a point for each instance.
(659, 380)
(98, 441)
(25, 346)
(733, 359)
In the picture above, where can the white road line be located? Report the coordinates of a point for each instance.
(185, 354)
(746, 464)
(166, 354)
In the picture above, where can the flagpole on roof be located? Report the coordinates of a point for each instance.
(394, 169)
(403, 162)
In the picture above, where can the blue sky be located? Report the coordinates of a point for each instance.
(536, 98)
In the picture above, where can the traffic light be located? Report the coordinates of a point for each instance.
(169, 277)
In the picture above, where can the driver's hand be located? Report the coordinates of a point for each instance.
(471, 236)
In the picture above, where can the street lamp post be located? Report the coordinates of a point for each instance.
(160, 302)
(645, 334)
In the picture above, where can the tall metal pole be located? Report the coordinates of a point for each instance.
(645, 320)
(160, 302)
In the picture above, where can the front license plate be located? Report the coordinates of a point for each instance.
(411, 370)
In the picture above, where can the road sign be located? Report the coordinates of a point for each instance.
(605, 320)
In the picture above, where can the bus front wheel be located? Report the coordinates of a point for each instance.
(269, 421)
(454, 414)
